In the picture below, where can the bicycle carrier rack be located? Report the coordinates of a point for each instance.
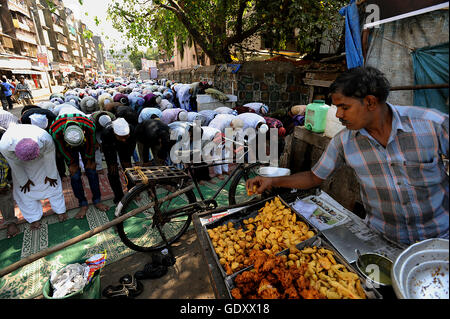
(154, 174)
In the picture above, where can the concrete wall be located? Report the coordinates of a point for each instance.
(277, 84)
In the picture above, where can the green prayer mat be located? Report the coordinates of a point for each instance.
(28, 281)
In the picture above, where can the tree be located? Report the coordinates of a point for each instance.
(136, 56)
(217, 25)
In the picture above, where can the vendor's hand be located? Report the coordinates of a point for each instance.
(51, 181)
(261, 183)
(26, 188)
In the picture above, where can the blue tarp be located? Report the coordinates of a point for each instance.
(353, 46)
(431, 67)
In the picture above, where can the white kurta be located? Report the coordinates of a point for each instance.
(35, 170)
(250, 120)
(221, 121)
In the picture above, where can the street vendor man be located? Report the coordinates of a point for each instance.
(396, 153)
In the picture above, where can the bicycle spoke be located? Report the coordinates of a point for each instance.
(139, 232)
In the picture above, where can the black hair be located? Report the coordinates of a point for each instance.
(360, 82)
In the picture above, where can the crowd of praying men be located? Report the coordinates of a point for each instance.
(123, 124)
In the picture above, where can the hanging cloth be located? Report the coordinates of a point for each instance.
(353, 47)
(430, 66)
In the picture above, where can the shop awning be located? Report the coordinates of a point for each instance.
(26, 72)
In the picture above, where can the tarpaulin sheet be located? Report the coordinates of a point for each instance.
(353, 47)
(431, 67)
(391, 44)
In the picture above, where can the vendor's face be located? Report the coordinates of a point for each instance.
(351, 112)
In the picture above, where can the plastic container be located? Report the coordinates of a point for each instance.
(333, 125)
(316, 116)
(90, 291)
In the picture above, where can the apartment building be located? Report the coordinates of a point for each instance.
(37, 37)
(19, 45)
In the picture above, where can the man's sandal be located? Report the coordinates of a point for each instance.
(134, 286)
(117, 292)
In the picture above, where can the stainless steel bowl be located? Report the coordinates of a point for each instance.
(375, 268)
(272, 171)
(422, 271)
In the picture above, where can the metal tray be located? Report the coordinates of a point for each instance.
(371, 292)
(248, 212)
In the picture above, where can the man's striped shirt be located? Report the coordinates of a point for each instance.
(404, 187)
(88, 127)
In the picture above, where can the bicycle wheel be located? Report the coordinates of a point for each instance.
(237, 193)
(138, 231)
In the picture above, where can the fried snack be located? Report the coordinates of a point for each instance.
(274, 228)
(251, 192)
(331, 279)
(274, 277)
(271, 279)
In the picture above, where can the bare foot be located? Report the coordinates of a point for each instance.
(221, 177)
(82, 212)
(35, 225)
(101, 207)
(202, 183)
(12, 230)
(63, 217)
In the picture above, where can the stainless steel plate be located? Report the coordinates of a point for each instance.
(428, 280)
(418, 258)
(272, 171)
(414, 264)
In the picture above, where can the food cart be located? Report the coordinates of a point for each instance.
(347, 234)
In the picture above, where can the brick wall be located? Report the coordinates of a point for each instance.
(277, 84)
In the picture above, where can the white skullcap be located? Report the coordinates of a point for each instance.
(298, 109)
(104, 119)
(237, 123)
(183, 116)
(39, 120)
(74, 135)
(158, 99)
(263, 128)
(121, 127)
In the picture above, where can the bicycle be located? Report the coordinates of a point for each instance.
(171, 191)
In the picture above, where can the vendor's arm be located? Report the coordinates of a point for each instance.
(330, 160)
(302, 180)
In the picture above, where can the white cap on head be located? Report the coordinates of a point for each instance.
(183, 116)
(39, 120)
(263, 128)
(121, 127)
(104, 119)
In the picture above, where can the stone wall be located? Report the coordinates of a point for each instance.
(277, 84)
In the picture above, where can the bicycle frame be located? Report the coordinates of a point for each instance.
(202, 205)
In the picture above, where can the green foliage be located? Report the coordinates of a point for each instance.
(135, 57)
(217, 25)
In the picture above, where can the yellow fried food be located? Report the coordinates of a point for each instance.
(276, 227)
